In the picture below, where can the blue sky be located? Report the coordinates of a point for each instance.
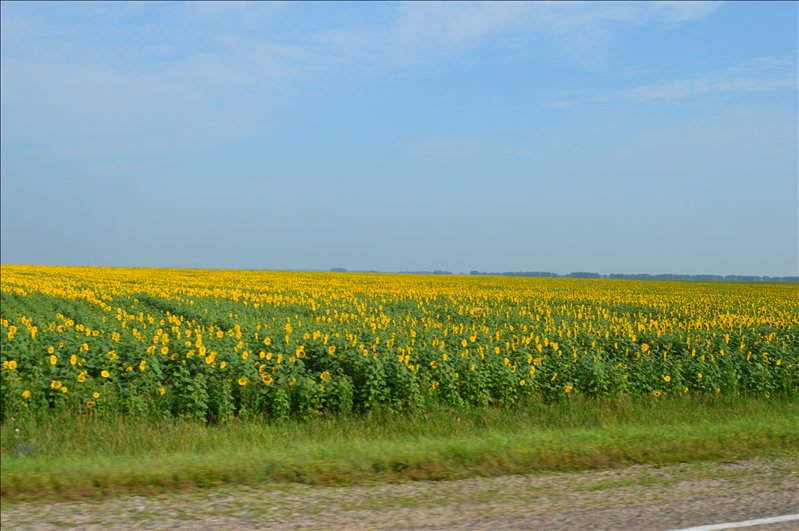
(607, 137)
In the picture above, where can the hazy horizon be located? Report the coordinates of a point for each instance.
(632, 138)
(511, 273)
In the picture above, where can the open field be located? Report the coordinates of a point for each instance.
(135, 380)
(220, 344)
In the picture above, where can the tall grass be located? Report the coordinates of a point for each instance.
(89, 456)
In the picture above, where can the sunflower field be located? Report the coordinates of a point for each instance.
(215, 345)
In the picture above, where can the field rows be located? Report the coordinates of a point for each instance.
(220, 344)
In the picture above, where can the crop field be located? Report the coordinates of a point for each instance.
(216, 345)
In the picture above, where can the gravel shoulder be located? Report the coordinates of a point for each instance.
(637, 497)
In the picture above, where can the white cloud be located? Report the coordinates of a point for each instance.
(680, 11)
(82, 109)
(76, 79)
(408, 32)
(422, 33)
(763, 74)
(687, 88)
(562, 100)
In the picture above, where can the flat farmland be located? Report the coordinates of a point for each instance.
(214, 345)
(141, 381)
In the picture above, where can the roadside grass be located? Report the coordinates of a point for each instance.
(86, 457)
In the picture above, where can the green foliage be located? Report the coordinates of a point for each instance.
(214, 346)
(61, 455)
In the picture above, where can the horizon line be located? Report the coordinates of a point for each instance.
(442, 272)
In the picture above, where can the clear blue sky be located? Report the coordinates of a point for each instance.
(605, 137)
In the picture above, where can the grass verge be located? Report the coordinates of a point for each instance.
(72, 458)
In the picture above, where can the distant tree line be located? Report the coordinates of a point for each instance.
(644, 276)
(586, 274)
(517, 274)
(433, 272)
